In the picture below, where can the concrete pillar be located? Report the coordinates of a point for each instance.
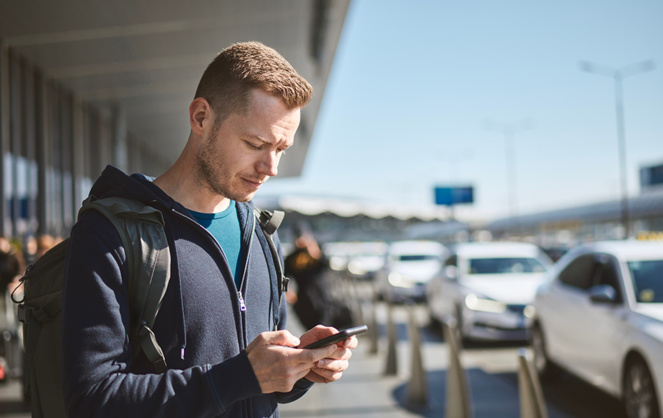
(5, 225)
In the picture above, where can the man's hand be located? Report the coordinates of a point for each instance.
(278, 365)
(330, 368)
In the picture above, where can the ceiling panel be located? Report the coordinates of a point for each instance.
(146, 57)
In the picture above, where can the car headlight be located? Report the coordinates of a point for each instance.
(398, 280)
(476, 303)
(337, 263)
(529, 311)
(356, 268)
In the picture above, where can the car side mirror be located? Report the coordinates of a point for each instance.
(451, 272)
(603, 293)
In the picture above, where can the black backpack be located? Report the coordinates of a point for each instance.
(141, 230)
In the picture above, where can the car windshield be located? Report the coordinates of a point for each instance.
(505, 265)
(647, 280)
(417, 257)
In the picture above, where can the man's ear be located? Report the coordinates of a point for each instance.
(200, 116)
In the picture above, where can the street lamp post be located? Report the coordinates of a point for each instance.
(509, 131)
(618, 75)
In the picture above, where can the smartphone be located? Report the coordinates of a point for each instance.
(342, 335)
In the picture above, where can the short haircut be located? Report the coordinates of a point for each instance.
(236, 70)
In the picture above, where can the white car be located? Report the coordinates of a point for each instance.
(601, 318)
(488, 288)
(408, 267)
(367, 259)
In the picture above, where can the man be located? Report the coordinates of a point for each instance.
(217, 318)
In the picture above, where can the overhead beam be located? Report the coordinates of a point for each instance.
(141, 29)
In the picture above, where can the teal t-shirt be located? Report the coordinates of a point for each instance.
(224, 226)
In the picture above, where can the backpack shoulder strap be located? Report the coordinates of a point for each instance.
(141, 228)
(269, 222)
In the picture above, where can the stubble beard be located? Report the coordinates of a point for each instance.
(209, 174)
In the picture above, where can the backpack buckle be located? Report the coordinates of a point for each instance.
(24, 313)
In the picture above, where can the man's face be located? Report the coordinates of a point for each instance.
(242, 152)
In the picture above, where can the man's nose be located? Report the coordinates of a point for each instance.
(269, 164)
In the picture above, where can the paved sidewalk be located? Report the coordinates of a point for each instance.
(491, 370)
(363, 391)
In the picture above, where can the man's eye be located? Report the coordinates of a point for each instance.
(254, 146)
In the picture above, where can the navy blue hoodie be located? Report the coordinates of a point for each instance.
(200, 326)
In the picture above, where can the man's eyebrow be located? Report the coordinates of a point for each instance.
(261, 139)
(268, 142)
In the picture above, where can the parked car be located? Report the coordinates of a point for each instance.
(367, 259)
(601, 318)
(339, 254)
(488, 288)
(408, 267)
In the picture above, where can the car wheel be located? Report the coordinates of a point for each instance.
(639, 391)
(545, 368)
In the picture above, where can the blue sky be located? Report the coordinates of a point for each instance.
(416, 85)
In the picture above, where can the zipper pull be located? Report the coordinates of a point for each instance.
(242, 305)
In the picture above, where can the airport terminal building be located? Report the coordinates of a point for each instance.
(111, 82)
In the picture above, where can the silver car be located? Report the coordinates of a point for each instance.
(488, 288)
(408, 267)
(601, 318)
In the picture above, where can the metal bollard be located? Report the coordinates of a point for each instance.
(457, 403)
(374, 333)
(391, 367)
(356, 303)
(532, 404)
(417, 389)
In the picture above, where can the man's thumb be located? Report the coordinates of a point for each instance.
(283, 337)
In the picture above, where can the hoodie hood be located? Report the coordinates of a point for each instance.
(113, 182)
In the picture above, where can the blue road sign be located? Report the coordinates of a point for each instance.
(450, 196)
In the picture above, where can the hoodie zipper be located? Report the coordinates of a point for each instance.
(242, 283)
(240, 296)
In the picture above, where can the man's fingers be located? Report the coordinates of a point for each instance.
(314, 355)
(340, 354)
(331, 372)
(351, 342)
(282, 338)
(332, 365)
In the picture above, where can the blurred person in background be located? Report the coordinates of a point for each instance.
(315, 303)
(12, 266)
(30, 249)
(44, 243)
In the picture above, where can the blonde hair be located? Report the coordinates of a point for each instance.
(236, 70)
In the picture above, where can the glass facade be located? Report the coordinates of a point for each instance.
(53, 146)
